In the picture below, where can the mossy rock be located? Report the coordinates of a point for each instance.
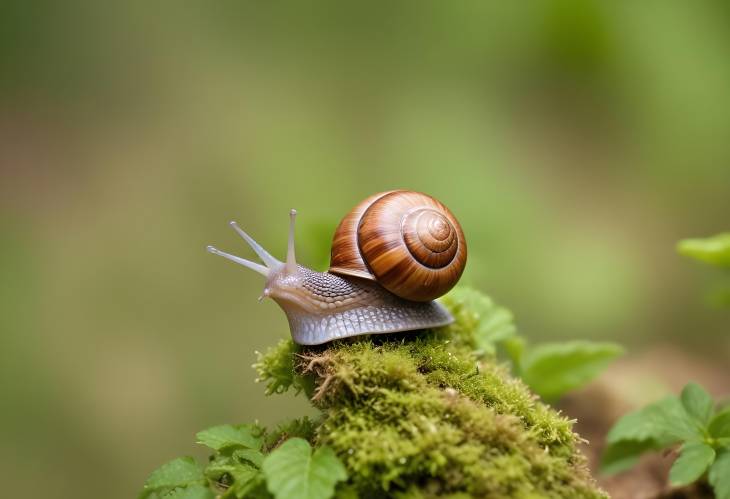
(422, 414)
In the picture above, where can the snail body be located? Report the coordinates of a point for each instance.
(392, 255)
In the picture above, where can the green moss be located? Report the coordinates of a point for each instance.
(277, 368)
(419, 415)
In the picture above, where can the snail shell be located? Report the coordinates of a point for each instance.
(408, 242)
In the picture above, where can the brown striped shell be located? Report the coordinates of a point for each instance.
(408, 242)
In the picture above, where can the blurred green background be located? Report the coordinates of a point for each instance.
(576, 141)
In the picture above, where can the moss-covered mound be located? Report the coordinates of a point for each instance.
(420, 415)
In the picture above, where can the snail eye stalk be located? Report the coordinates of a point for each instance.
(291, 260)
(264, 271)
(271, 264)
(265, 256)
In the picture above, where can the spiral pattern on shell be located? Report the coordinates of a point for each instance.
(408, 242)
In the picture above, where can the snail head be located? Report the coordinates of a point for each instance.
(283, 279)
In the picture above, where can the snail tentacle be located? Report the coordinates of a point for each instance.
(264, 271)
(265, 256)
(291, 260)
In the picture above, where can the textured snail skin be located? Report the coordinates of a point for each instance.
(322, 307)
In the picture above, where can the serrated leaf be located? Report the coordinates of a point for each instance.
(714, 250)
(180, 472)
(293, 472)
(693, 461)
(496, 325)
(697, 402)
(635, 425)
(475, 312)
(624, 454)
(253, 456)
(219, 465)
(674, 424)
(241, 476)
(551, 369)
(245, 480)
(226, 436)
(665, 422)
(719, 476)
(719, 426)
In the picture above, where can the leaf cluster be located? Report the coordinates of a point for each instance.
(690, 421)
(249, 462)
(549, 369)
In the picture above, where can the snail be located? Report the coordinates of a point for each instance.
(392, 256)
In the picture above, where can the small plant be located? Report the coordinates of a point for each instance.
(549, 369)
(249, 462)
(411, 415)
(690, 421)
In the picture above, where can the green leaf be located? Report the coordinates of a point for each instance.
(495, 326)
(191, 492)
(238, 473)
(714, 250)
(719, 476)
(693, 461)
(219, 466)
(697, 402)
(551, 369)
(515, 348)
(246, 480)
(653, 427)
(180, 472)
(475, 312)
(665, 422)
(253, 456)
(624, 454)
(224, 436)
(719, 426)
(294, 472)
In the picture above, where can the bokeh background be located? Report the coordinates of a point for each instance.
(576, 141)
